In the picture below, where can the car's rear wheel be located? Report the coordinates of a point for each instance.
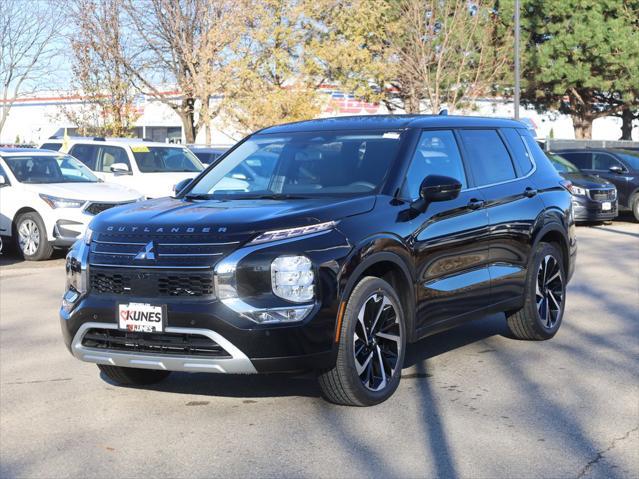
(133, 376)
(543, 310)
(31, 237)
(372, 341)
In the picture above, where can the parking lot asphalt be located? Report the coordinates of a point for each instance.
(472, 403)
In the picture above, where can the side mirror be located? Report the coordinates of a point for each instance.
(616, 169)
(436, 188)
(179, 186)
(120, 168)
(3, 181)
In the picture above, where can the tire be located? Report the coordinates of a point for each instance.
(543, 310)
(634, 204)
(379, 359)
(31, 237)
(133, 376)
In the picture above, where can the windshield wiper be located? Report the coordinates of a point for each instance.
(271, 196)
(198, 196)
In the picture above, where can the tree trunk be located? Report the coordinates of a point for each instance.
(187, 115)
(583, 126)
(626, 123)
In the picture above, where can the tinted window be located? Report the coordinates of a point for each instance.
(51, 146)
(436, 154)
(49, 169)
(316, 163)
(110, 155)
(2, 173)
(631, 158)
(603, 162)
(581, 160)
(488, 156)
(521, 156)
(160, 159)
(561, 164)
(87, 154)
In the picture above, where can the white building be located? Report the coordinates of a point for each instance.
(32, 120)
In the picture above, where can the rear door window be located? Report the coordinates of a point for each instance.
(87, 154)
(488, 157)
(437, 153)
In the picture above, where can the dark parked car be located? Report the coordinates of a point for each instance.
(593, 198)
(208, 154)
(370, 233)
(620, 167)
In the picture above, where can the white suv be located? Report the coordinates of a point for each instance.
(151, 168)
(47, 199)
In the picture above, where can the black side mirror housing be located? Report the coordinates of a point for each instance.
(436, 188)
(616, 169)
(180, 185)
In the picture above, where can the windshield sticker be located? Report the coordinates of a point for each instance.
(140, 149)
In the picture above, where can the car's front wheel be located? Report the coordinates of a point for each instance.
(372, 342)
(133, 376)
(634, 204)
(545, 296)
(31, 237)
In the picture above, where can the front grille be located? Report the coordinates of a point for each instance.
(603, 195)
(167, 251)
(96, 208)
(151, 284)
(164, 343)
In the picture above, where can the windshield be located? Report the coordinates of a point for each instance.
(631, 158)
(164, 159)
(561, 164)
(303, 164)
(49, 169)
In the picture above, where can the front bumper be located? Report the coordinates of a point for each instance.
(586, 209)
(253, 347)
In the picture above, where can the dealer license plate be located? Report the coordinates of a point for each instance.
(141, 317)
(606, 206)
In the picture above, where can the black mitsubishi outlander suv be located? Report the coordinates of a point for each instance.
(349, 239)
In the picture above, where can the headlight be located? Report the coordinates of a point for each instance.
(292, 278)
(88, 234)
(578, 191)
(293, 232)
(55, 202)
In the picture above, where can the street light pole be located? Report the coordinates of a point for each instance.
(517, 86)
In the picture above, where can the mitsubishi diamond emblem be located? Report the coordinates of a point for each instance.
(147, 252)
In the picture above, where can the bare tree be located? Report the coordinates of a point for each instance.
(28, 32)
(98, 49)
(446, 53)
(186, 43)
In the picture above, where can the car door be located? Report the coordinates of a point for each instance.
(601, 164)
(449, 239)
(501, 168)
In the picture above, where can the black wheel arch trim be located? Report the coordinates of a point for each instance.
(348, 279)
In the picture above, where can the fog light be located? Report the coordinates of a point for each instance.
(280, 315)
(292, 278)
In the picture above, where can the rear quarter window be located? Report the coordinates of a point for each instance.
(523, 162)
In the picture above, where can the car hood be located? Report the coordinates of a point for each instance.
(586, 181)
(106, 192)
(228, 219)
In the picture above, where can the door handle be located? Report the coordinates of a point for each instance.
(530, 192)
(475, 204)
